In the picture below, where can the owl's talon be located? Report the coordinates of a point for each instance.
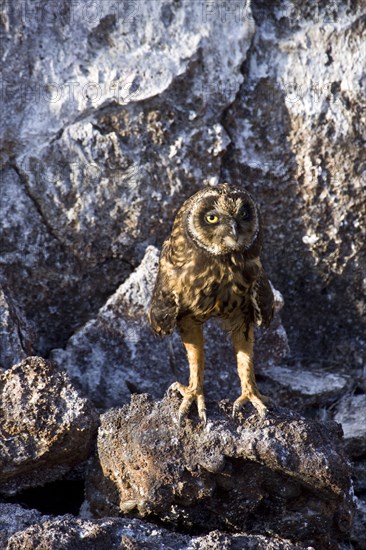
(184, 408)
(203, 418)
(236, 409)
(256, 400)
(201, 409)
(173, 388)
(181, 417)
(189, 396)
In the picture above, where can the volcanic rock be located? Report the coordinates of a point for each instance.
(280, 474)
(46, 426)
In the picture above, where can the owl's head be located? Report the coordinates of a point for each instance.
(222, 220)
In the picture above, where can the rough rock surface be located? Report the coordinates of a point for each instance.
(15, 337)
(350, 412)
(120, 115)
(117, 354)
(46, 427)
(359, 525)
(14, 518)
(309, 391)
(52, 289)
(281, 474)
(22, 529)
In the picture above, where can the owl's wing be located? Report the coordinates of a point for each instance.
(263, 300)
(164, 307)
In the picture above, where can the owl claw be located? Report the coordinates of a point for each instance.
(173, 388)
(188, 397)
(184, 408)
(201, 409)
(181, 417)
(256, 400)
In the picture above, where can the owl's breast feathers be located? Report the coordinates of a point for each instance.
(191, 283)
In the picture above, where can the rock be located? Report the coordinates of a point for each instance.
(216, 541)
(117, 354)
(350, 412)
(70, 533)
(96, 161)
(112, 38)
(301, 388)
(359, 474)
(281, 474)
(310, 383)
(22, 529)
(15, 336)
(46, 426)
(14, 518)
(359, 525)
(54, 292)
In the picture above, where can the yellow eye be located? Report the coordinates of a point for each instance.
(211, 218)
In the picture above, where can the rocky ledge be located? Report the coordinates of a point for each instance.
(278, 482)
(280, 474)
(29, 530)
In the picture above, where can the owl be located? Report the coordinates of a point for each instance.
(210, 267)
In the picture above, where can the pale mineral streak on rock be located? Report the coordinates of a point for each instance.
(46, 427)
(310, 384)
(124, 42)
(231, 474)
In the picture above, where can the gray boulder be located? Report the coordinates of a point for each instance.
(22, 529)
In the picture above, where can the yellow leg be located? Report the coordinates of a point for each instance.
(244, 356)
(192, 337)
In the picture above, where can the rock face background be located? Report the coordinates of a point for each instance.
(113, 114)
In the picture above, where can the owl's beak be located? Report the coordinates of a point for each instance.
(233, 230)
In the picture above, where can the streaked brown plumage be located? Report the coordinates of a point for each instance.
(210, 267)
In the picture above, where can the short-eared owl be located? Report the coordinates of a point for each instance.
(210, 267)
